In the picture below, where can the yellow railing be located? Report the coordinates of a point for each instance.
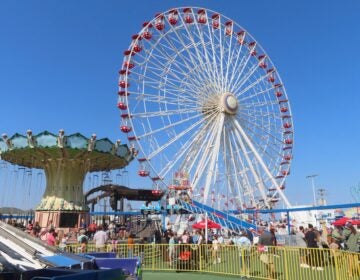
(288, 263)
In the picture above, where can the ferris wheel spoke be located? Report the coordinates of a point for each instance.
(214, 157)
(231, 170)
(198, 145)
(253, 112)
(156, 114)
(245, 78)
(263, 146)
(261, 162)
(169, 99)
(177, 70)
(193, 60)
(205, 157)
(169, 77)
(174, 124)
(240, 71)
(256, 94)
(162, 62)
(201, 57)
(177, 137)
(154, 83)
(209, 54)
(195, 149)
(213, 64)
(193, 146)
(197, 155)
(264, 128)
(230, 59)
(254, 170)
(260, 104)
(268, 148)
(237, 64)
(239, 163)
(251, 86)
(191, 74)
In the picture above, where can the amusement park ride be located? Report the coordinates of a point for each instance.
(199, 96)
(65, 160)
(205, 113)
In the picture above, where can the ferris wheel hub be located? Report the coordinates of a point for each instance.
(229, 103)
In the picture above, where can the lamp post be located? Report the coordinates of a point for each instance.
(312, 177)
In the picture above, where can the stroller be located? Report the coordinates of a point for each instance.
(187, 260)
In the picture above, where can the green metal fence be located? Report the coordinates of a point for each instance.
(288, 263)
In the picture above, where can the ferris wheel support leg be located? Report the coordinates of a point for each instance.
(259, 183)
(214, 156)
(227, 169)
(260, 160)
(204, 158)
(241, 170)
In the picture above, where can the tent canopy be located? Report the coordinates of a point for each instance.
(342, 221)
(202, 224)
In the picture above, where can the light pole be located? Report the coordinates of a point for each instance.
(312, 177)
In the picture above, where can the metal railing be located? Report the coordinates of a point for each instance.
(288, 263)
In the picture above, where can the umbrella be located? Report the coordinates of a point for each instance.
(202, 224)
(342, 221)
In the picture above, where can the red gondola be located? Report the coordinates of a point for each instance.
(215, 21)
(123, 84)
(143, 173)
(159, 22)
(188, 16)
(125, 128)
(173, 17)
(201, 16)
(122, 106)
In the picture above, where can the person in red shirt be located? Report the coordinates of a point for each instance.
(92, 228)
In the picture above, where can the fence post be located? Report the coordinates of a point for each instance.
(337, 275)
(200, 257)
(285, 251)
(153, 257)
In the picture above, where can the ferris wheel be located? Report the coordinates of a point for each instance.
(201, 100)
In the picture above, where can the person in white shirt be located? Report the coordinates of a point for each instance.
(100, 238)
(243, 244)
(300, 242)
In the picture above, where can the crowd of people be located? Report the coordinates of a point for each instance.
(99, 234)
(264, 239)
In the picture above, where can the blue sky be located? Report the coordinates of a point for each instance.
(59, 63)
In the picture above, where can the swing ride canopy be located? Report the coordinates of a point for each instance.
(36, 151)
(65, 160)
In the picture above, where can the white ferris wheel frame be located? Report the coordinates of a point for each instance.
(202, 83)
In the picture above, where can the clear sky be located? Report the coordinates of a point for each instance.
(59, 63)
